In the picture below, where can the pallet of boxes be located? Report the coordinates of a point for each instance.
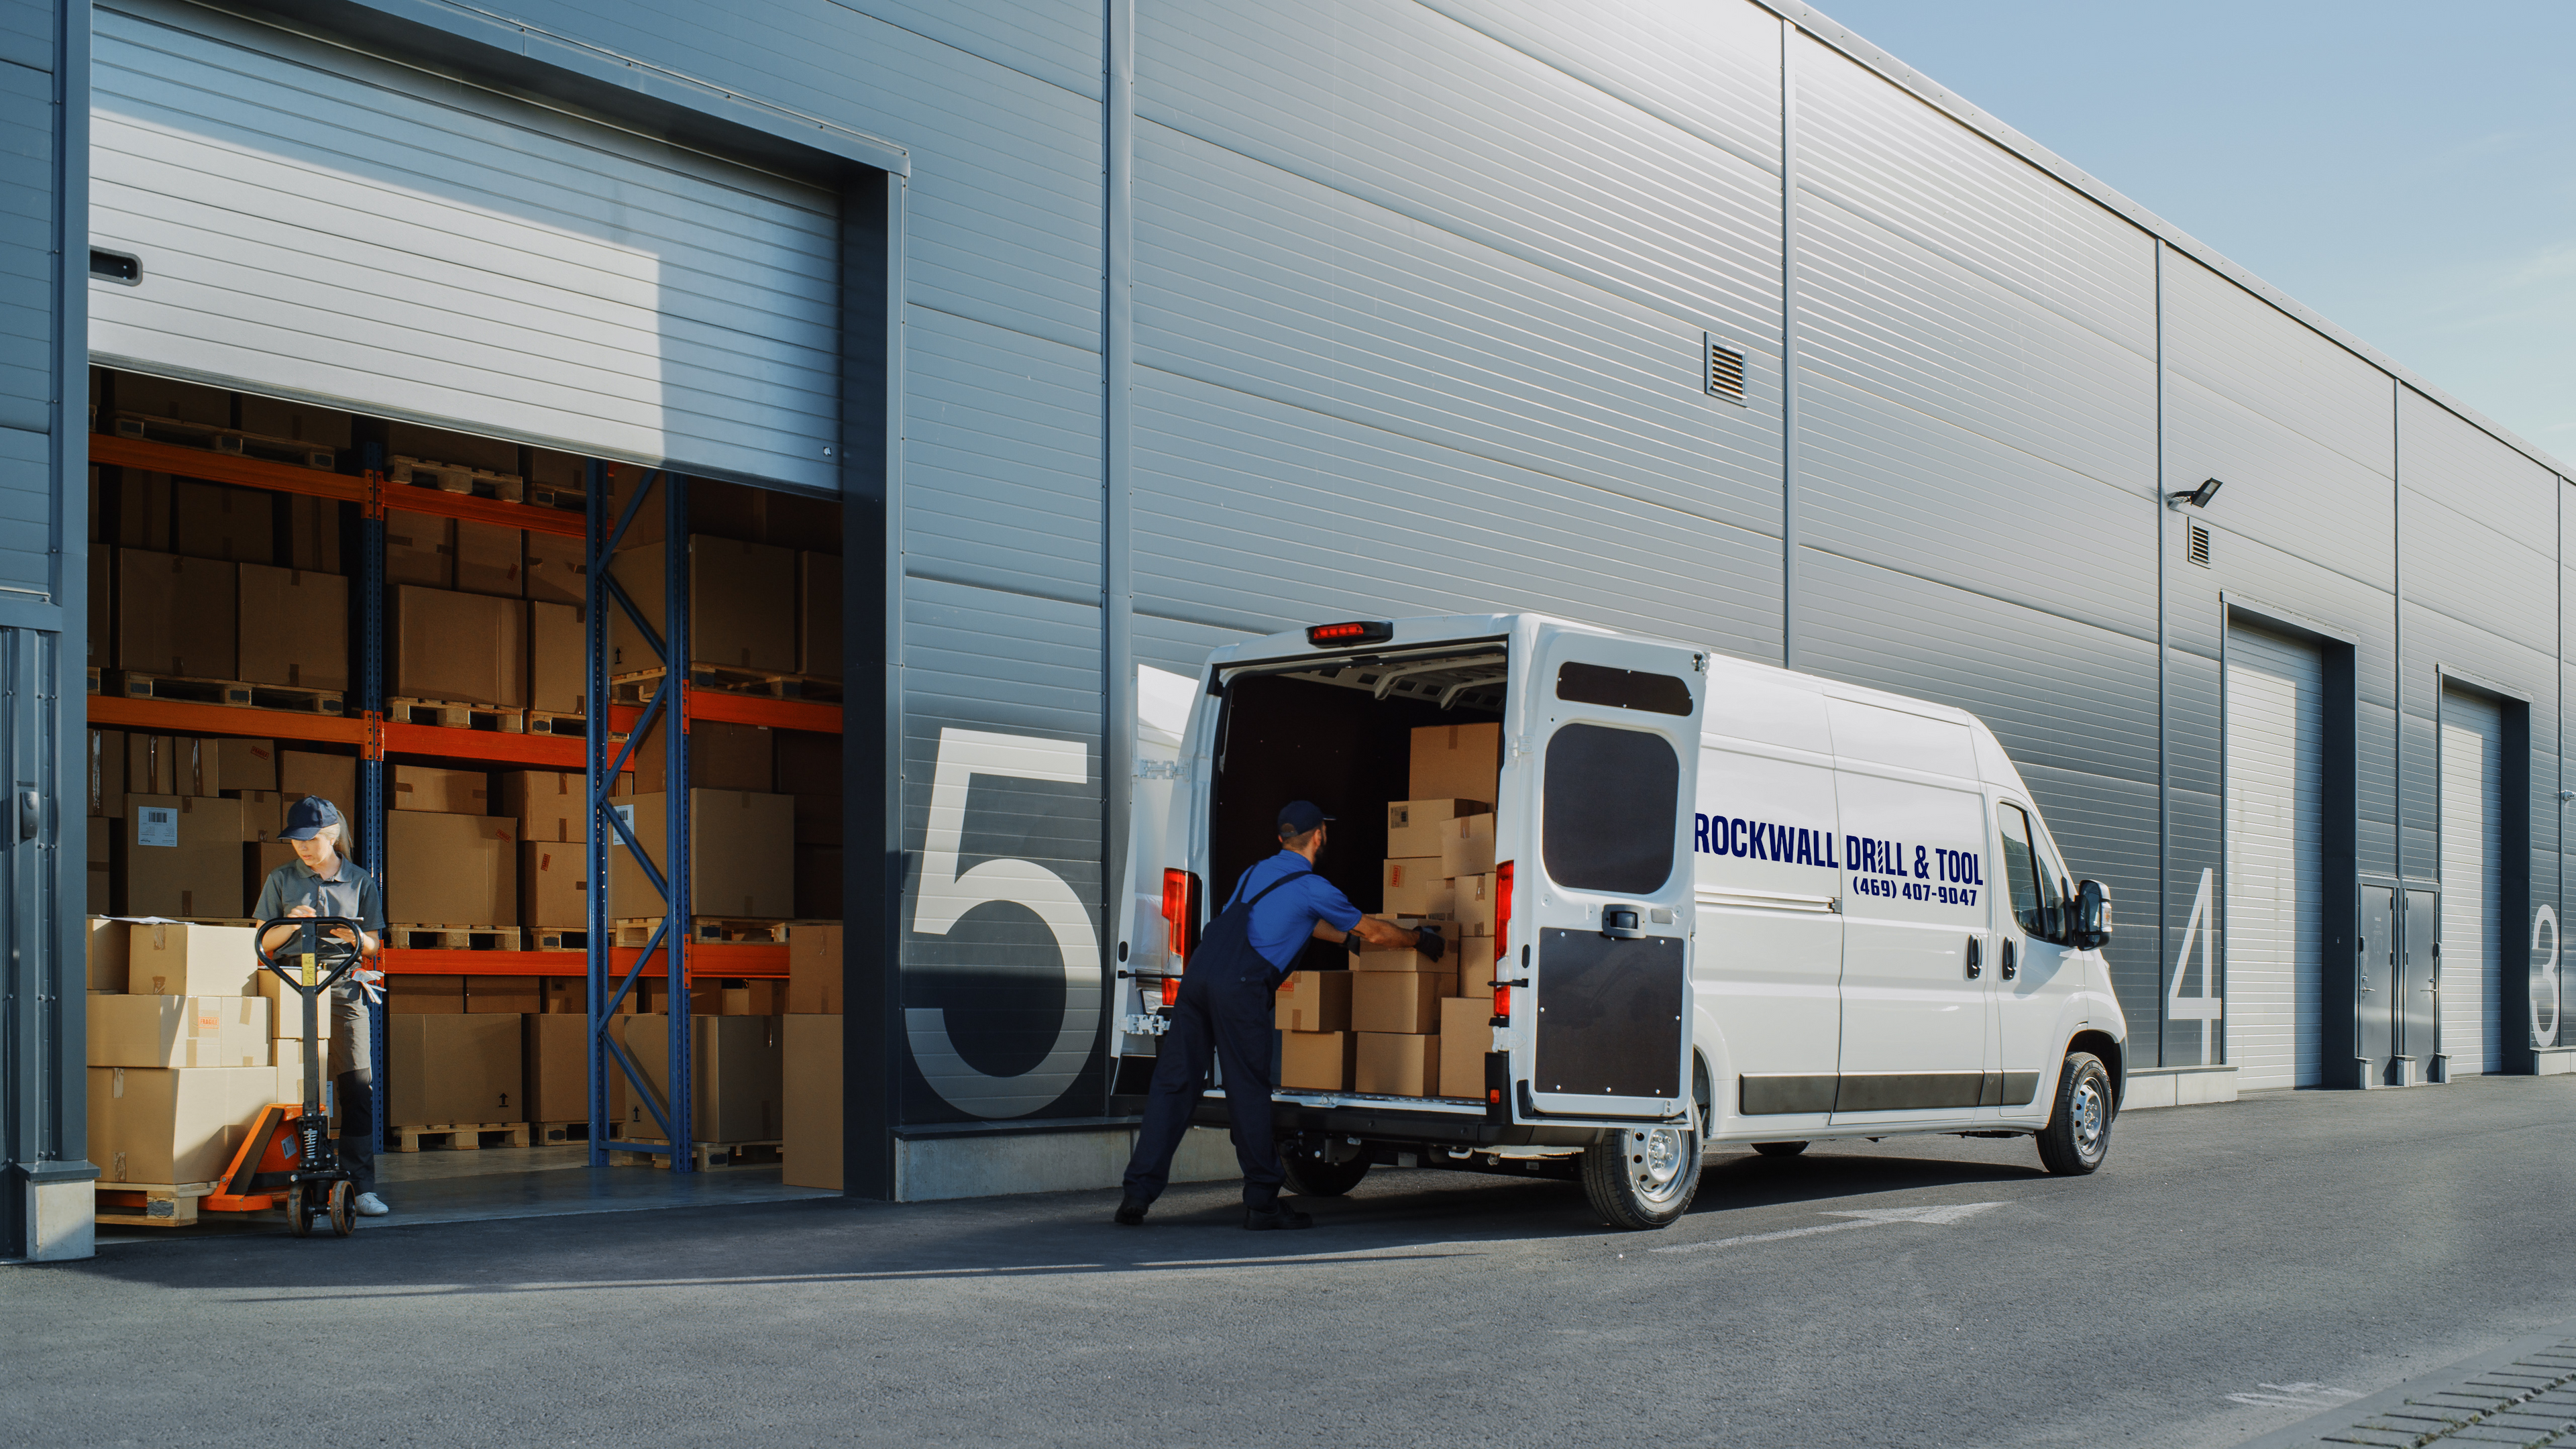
(1398, 1024)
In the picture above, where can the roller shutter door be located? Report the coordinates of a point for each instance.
(313, 222)
(2275, 858)
(2472, 883)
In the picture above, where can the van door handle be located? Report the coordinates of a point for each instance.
(1976, 958)
(2010, 970)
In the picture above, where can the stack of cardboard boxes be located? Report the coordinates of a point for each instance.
(188, 1041)
(187, 827)
(810, 1058)
(1398, 1023)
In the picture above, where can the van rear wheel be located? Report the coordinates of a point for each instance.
(1642, 1177)
(1310, 1176)
(2078, 1134)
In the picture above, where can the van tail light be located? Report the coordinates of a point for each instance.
(1171, 991)
(1502, 1004)
(1181, 917)
(1502, 920)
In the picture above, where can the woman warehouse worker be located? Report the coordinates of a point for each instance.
(320, 882)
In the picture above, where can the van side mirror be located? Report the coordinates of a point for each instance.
(2092, 916)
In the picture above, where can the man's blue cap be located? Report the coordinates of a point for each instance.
(1299, 816)
(306, 817)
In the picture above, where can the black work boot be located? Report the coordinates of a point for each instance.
(1277, 1215)
(1131, 1212)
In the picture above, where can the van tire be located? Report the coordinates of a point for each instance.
(2078, 1135)
(1314, 1177)
(1779, 1149)
(1642, 1178)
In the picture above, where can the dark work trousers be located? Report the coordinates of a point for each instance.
(1231, 1019)
(352, 1073)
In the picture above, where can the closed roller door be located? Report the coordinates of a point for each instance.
(2472, 883)
(314, 222)
(2275, 866)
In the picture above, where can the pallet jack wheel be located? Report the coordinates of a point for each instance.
(344, 1208)
(299, 1216)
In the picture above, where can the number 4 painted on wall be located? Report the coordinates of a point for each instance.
(2211, 1003)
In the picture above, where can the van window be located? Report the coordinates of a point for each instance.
(1608, 809)
(2037, 901)
(1622, 689)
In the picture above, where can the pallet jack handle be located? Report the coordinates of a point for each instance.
(308, 946)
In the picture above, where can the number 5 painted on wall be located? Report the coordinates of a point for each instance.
(945, 896)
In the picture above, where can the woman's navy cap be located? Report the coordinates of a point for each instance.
(306, 817)
(1299, 816)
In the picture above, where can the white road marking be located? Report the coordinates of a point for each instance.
(2297, 1396)
(1862, 1218)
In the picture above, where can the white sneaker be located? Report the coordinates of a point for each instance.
(371, 1206)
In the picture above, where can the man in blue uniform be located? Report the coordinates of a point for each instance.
(1226, 1009)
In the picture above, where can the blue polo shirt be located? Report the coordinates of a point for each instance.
(1283, 923)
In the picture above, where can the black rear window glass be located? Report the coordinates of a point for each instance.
(1622, 689)
(1609, 809)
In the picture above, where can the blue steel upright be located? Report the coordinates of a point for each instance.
(370, 852)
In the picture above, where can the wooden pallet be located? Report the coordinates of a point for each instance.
(151, 1204)
(456, 478)
(453, 938)
(231, 693)
(457, 715)
(546, 722)
(561, 1134)
(299, 699)
(461, 1136)
(555, 938)
(637, 686)
(555, 495)
(211, 439)
(710, 1155)
(635, 931)
(93, 678)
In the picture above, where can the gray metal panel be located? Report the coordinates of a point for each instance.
(2481, 527)
(27, 35)
(1410, 111)
(1264, 282)
(2227, 339)
(515, 271)
(1001, 458)
(2095, 822)
(2284, 488)
(2375, 758)
(26, 510)
(1056, 43)
(26, 248)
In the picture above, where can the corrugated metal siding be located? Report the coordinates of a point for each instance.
(2275, 960)
(2230, 341)
(2481, 526)
(2475, 936)
(1001, 448)
(2284, 488)
(26, 247)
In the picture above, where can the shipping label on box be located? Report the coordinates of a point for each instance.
(1467, 846)
(1317, 1061)
(1456, 762)
(1314, 1001)
(1406, 1002)
(1466, 1034)
(1397, 1065)
(1416, 887)
(1413, 826)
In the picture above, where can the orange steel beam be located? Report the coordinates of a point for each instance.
(181, 717)
(707, 961)
(108, 448)
(436, 501)
(550, 752)
(779, 714)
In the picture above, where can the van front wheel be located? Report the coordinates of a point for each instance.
(2078, 1134)
(1642, 1177)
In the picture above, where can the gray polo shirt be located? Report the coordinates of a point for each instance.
(352, 893)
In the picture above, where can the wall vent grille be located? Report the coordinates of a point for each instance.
(1725, 372)
(2199, 545)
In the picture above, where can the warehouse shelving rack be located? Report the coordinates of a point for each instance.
(598, 754)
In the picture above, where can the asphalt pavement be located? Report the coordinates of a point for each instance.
(2233, 1271)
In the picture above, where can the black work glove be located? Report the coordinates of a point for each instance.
(1430, 943)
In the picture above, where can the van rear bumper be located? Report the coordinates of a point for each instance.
(1396, 1124)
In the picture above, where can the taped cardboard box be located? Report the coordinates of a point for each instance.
(555, 568)
(451, 870)
(1473, 957)
(1397, 1065)
(554, 886)
(1471, 904)
(101, 858)
(1396, 958)
(107, 774)
(444, 1070)
(172, 1125)
(294, 627)
(226, 765)
(419, 549)
(466, 648)
(1317, 1061)
(557, 645)
(332, 777)
(741, 850)
(181, 856)
(312, 533)
(559, 1068)
(1413, 826)
(1416, 887)
(448, 792)
(742, 612)
(488, 560)
(809, 1111)
(263, 815)
(179, 1031)
(736, 1066)
(110, 949)
(1404, 1002)
(177, 615)
(814, 968)
(1466, 1034)
(1456, 762)
(509, 995)
(143, 510)
(1467, 846)
(722, 756)
(151, 764)
(547, 804)
(213, 521)
(1314, 1001)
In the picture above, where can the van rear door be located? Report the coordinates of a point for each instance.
(1607, 751)
(1160, 896)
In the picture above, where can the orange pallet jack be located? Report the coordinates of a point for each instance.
(289, 1160)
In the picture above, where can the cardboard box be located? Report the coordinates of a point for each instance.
(736, 1065)
(814, 968)
(466, 648)
(554, 568)
(1466, 1034)
(457, 450)
(332, 777)
(1396, 958)
(100, 611)
(809, 1108)
(174, 958)
(151, 764)
(143, 510)
(177, 615)
(722, 756)
(809, 768)
(554, 885)
(442, 1070)
(161, 397)
(1415, 886)
(559, 1068)
(557, 681)
(235, 525)
(178, 1031)
(764, 997)
(449, 792)
(1456, 762)
(741, 849)
(1413, 826)
(547, 804)
(106, 769)
(1317, 1061)
(1398, 1066)
(451, 870)
(519, 995)
(181, 856)
(818, 882)
(488, 560)
(1474, 959)
(287, 1053)
(1314, 1001)
(302, 422)
(294, 627)
(409, 995)
(312, 533)
(168, 1126)
(110, 949)
(570, 995)
(1467, 846)
(226, 765)
(742, 612)
(1406, 1002)
(722, 510)
(100, 865)
(818, 615)
(1471, 904)
(419, 549)
(263, 815)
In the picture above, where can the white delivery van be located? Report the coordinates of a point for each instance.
(1732, 904)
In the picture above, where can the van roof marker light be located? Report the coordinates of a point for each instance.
(1355, 631)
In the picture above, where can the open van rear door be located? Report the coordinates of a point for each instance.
(1158, 846)
(1607, 746)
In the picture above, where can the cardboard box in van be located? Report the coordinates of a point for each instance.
(1317, 1061)
(1396, 958)
(1456, 762)
(1397, 1066)
(1401, 1002)
(1315, 1001)
(1415, 887)
(1466, 1034)
(1471, 905)
(1473, 958)
(1467, 846)
(1413, 826)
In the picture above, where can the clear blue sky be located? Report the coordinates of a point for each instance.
(2408, 171)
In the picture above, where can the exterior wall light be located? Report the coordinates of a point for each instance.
(2196, 497)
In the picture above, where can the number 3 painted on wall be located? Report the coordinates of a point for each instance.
(946, 896)
(2545, 975)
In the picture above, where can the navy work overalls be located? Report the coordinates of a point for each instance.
(1228, 1003)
